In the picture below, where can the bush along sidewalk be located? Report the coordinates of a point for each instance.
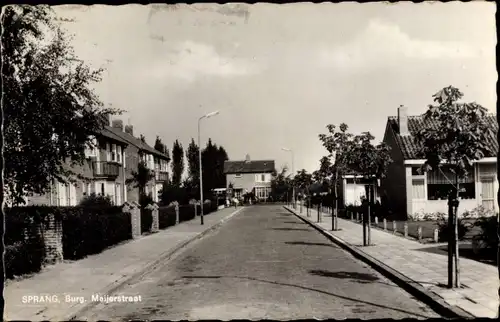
(40, 235)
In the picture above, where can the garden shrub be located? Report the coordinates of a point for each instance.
(445, 231)
(146, 220)
(145, 200)
(94, 200)
(488, 235)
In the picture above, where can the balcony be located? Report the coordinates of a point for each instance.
(105, 169)
(161, 176)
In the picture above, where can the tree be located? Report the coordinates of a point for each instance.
(49, 108)
(457, 138)
(371, 162)
(303, 180)
(193, 159)
(177, 163)
(219, 169)
(338, 145)
(141, 178)
(166, 151)
(281, 185)
(213, 158)
(159, 146)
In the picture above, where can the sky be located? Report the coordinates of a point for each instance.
(279, 74)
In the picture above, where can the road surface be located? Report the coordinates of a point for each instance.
(263, 264)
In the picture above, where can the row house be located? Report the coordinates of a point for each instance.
(111, 160)
(101, 173)
(249, 175)
(138, 151)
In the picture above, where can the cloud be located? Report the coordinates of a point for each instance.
(191, 60)
(385, 43)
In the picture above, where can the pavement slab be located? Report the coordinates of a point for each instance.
(412, 259)
(70, 285)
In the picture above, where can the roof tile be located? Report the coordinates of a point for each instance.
(257, 166)
(412, 149)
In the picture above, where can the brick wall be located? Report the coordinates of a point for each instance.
(394, 184)
(52, 236)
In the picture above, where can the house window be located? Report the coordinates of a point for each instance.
(113, 152)
(108, 152)
(119, 154)
(441, 181)
(418, 191)
(124, 158)
(238, 175)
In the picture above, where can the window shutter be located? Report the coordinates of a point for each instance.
(124, 158)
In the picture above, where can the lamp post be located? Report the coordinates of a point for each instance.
(206, 116)
(293, 173)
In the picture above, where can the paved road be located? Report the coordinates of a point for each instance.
(263, 264)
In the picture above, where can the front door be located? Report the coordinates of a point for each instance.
(488, 193)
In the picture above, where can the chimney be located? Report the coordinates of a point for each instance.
(403, 120)
(117, 124)
(129, 129)
(247, 158)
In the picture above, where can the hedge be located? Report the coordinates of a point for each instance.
(146, 220)
(24, 246)
(24, 257)
(90, 230)
(166, 216)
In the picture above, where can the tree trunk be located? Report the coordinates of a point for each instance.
(370, 204)
(364, 214)
(457, 244)
(450, 240)
(335, 204)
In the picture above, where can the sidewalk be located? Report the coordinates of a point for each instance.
(479, 293)
(101, 273)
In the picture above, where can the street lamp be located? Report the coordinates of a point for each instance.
(293, 173)
(206, 116)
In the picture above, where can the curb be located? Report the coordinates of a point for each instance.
(409, 285)
(148, 267)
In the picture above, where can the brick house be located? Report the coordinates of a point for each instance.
(102, 173)
(249, 175)
(137, 151)
(409, 192)
(106, 169)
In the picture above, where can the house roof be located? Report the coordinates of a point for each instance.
(108, 132)
(257, 166)
(130, 139)
(412, 149)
